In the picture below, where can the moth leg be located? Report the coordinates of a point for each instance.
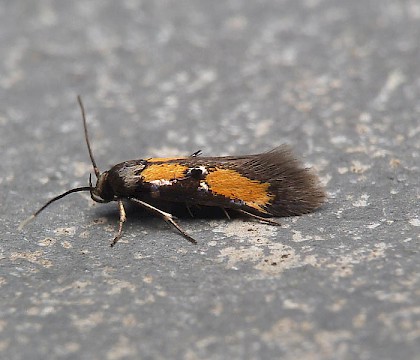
(169, 218)
(269, 221)
(226, 213)
(195, 154)
(123, 218)
(189, 210)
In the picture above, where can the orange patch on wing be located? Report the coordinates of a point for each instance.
(233, 185)
(168, 171)
(155, 160)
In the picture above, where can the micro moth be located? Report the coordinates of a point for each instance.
(270, 184)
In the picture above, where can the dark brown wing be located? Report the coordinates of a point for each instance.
(296, 190)
(272, 183)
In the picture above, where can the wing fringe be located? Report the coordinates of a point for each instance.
(297, 189)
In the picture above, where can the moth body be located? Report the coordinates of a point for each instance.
(267, 184)
(273, 183)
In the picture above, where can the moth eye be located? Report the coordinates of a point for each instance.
(198, 172)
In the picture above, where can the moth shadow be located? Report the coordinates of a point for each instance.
(178, 210)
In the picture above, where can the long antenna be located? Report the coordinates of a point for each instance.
(95, 168)
(83, 188)
(58, 197)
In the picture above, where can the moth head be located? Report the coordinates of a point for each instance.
(102, 192)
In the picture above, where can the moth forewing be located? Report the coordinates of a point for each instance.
(269, 184)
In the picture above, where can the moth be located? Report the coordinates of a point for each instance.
(270, 184)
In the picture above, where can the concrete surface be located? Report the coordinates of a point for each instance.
(338, 80)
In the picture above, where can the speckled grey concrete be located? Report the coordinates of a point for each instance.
(338, 80)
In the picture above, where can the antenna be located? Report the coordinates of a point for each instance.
(78, 189)
(95, 168)
(58, 197)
